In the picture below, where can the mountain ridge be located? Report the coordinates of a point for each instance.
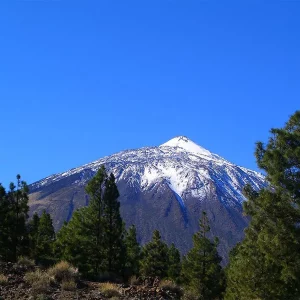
(161, 187)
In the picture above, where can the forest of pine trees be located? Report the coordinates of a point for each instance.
(265, 265)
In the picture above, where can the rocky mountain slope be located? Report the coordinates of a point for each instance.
(164, 188)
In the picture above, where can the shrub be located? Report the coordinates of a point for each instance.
(35, 276)
(68, 285)
(133, 280)
(40, 287)
(63, 271)
(189, 295)
(109, 290)
(25, 261)
(169, 285)
(39, 281)
(3, 279)
(31, 277)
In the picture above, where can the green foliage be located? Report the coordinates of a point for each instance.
(80, 240)
(113, 227)
(41, 238)
(93, 239)
(92, 222)
(266, 264)
(13, 217)
(25, 261)
(280, 158)
(75, 241)
(174, 268)
(18, 237)
(133, 253)
(5, 221)
(45, 239)
(33, 226)
(155, 257)
(201, 270)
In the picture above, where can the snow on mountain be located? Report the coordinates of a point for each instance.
(165, 188)
(186, 144)
(187, 168)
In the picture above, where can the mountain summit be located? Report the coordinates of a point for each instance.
(164, 188)
(186, 144)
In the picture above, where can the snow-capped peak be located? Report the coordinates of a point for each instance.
(185, 143)
(189, 170)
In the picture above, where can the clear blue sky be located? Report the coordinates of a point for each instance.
(83, 79)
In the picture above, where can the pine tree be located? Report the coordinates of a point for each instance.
(80, 241)
(92, 222)
(4, 225)
(45, 238)
(280, 158)
(113, 227)
(174, 268)
(155, 257)
(75, 244)
(33, 226)
(93, 238)
(266, 264)
(133, 253)
(14, 211)
(18, 197)
(201, 270)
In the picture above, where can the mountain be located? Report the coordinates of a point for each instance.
(164, 188)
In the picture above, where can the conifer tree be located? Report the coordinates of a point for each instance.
(133, 253)
(155, 257)
(14, 214)
(92, 223)
(93, 238)
(94, 213)
(266, 264)
(45, 238)
(4, 225)
(18, 198)
(33, 226)
(280, 158)
(74, 243)
(80, 241)
(113, 227)
(174, 268)
(201, 270)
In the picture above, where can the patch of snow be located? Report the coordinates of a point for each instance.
(178, 197)
(188, 169)
(186, 144)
